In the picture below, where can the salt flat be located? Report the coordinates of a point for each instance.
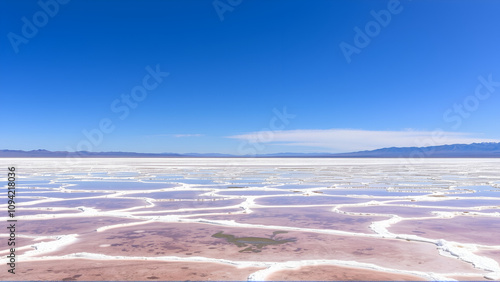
(256, 219)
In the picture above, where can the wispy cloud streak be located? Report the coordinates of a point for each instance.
(187, 135)
(348, 140)
(176, 135)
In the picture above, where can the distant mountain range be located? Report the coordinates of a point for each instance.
(474, 150)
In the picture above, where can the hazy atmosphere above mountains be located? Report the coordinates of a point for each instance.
(475, 150)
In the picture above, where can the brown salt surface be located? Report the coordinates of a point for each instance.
(252, 244)
(71, 225)
(337, 273)
(125, 270)
(310, 217)
(104, 204)
(197, 204)
(398, 210)
(309, 200)
(460, 229)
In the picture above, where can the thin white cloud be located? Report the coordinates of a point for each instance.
(176, 135)
(187, 135)
(349, 140)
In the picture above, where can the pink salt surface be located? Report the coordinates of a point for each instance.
(469, 278)
(192, 239)
(71, 225)
(311, 217)
(337, 273)
(252, 193)
(104, 204)
(23, 199)
(193, 212)
(309, 200)
(23, 189)
(23, 212)
(21, 242)
(65, 195)
(398, 210)
(452, 203)
(186, 194)
(173, 205)
(490, 210)
(124, 270)
(460, 229)
(493, 254)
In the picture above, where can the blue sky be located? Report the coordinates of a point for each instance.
(432, 67)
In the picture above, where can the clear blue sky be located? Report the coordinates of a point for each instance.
(226, 75)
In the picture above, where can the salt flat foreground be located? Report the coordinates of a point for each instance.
(255, 219)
